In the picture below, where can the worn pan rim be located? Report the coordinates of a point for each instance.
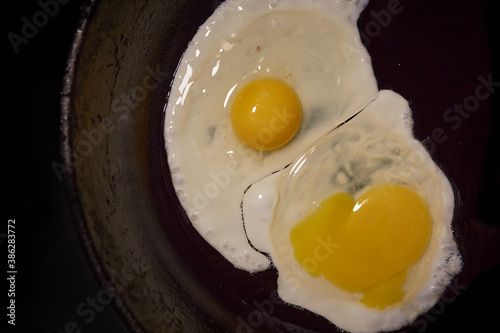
(69, 178)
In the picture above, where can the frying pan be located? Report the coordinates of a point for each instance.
(158, 273)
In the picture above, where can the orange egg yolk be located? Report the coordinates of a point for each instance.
(365, 246)
(266, 114)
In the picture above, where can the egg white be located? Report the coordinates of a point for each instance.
(312, 45)
(376, 147)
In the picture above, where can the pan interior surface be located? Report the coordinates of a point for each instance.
(162, 274)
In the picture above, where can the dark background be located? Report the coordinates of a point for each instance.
(53, 277)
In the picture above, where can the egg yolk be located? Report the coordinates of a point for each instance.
(365, 246)
(266, 114)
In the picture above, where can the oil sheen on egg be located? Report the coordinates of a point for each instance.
(359, 227)
(313, 47)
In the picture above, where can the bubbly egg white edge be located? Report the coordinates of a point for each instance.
(212, 38)
(447, 271)
(433, 272)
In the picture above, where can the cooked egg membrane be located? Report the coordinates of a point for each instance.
(376, 147)
(313, 46)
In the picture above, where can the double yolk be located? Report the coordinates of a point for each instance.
(364, 246)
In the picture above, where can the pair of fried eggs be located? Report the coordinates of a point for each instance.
(338, 195)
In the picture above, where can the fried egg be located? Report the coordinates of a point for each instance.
(307, 52)
(359, 227)
(284, 154)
